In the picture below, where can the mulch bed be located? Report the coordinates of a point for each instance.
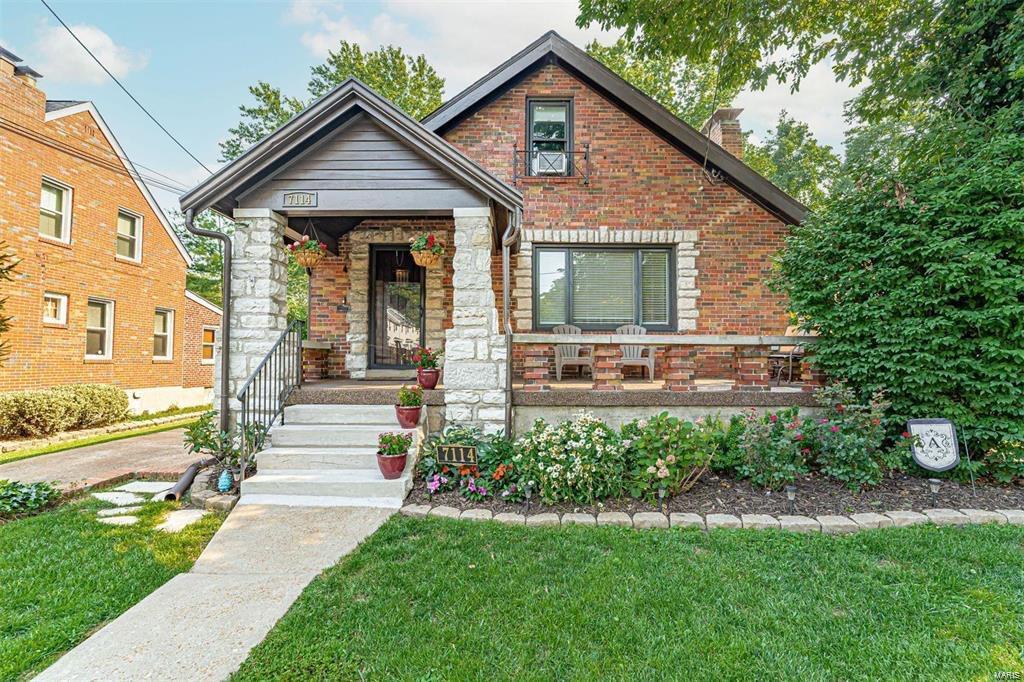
(716, 494)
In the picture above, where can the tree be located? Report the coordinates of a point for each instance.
(793, 159)
(881, 44)
(7, 264)
(691, 92)
(409, 82)
(204, 276)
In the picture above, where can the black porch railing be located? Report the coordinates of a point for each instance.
(264, 393)
(543, 164)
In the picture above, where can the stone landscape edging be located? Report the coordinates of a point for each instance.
(66, 436)
(830, 524)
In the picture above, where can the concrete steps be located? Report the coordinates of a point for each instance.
(326, 456)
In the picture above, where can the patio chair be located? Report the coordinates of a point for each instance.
(637, 356)
(785, 358)
(572, 355)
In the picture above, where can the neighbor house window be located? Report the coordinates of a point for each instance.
(129, 232)
(549, 133)
(163, 334)
(603, 288)
(209, 338)
(55, 211)
(99, 328)
(55, 308)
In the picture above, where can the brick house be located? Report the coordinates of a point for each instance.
(563, 196)
(99, 293)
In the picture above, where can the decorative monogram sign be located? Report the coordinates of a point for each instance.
(458, 455)
(299, 200)
(935, 445)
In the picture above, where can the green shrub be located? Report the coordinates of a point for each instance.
(33, 414)
(493, 476)
(203, 436)
(580, 461)
(666, 452)
(775, 449)
(96, 404)
(1005, 463)
(726, 435)
(19, 499)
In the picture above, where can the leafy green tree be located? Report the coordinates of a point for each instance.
(204, 276)
(7, 264)
(691, 92)
(792, 158)
(409, 82)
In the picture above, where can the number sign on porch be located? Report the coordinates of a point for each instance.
(457, 455)
(299, 199)
(935, 444)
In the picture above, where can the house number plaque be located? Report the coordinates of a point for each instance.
(458, 455)
(935, 445)
(299, 199)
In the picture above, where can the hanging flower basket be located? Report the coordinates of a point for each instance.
(426, 251)
(308, 259)
(308, 252)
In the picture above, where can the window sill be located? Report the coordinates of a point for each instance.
(128, 261)
(55, 242)
(551, 179)
(207, 363)
(97, 360)
(162, 361)
(55, 325)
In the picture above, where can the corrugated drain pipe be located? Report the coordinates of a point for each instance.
(507, 240)
(225, 321)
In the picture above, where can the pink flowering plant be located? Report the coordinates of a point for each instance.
(775, 449)
(494, 475)
(428, 243)
(307, 244)
(666, 453)
(393, 444)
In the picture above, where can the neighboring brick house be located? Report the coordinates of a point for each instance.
(615, 213)
(99, 293)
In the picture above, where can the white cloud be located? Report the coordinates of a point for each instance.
(62, 59)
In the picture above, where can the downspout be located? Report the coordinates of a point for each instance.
(225, 326)
(507, 240)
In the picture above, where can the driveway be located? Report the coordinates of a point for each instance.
(157, 453)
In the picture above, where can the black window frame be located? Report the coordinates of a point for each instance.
(637, 249)
(530, 103)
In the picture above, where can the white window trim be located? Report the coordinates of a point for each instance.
(62, 308)
(65, 218)
(170, 334)
(138, 235)
(203, 344)
(108, 350)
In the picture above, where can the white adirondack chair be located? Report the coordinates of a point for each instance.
(637, 356)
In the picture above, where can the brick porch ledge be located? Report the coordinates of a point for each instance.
(662, 398)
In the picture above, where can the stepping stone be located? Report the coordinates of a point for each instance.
(579, 519)
(178, 519)
(650, 520)
(1014, 517)
(417, 510)
(759, 521)
(870, 520)
(946, 517)
(983, 516)
(121, 499)
(906, 518)
(723, 521)
(680, 520)
(119, 520)
(545, 519)
(118, 511)
(446, 512)
(799, 524)
(508, 517)
(614, 519)
(222, 502)
(146, 487)
(837, 525)
(476, 514)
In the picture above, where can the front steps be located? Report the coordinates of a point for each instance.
(326, 456)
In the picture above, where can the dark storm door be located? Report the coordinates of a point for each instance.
(397, 303)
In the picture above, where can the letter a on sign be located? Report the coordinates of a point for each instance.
(935, 444)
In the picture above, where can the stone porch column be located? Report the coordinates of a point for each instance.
(474, 365)
(259, 294)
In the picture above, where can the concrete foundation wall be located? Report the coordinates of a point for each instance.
(523, 416)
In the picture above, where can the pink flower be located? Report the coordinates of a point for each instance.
(305, 238)
(798, 436)
(773, 418)
(671, 459)
(835, 428)
(662, 473)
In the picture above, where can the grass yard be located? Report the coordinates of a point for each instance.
(63, 574)
(434, 599)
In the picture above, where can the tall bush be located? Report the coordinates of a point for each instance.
(33, 414)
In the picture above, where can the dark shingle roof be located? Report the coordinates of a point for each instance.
(58, 104)
(9, 56)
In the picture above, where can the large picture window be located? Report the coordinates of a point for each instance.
(603, 288)
(549, 137)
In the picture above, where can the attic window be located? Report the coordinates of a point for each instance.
(549, 137)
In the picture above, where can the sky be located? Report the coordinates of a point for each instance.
(190, 63)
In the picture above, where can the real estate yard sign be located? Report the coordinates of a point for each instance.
(935, 445)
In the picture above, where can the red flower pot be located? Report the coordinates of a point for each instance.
(427, 378)
(408, 417)
(391, 466)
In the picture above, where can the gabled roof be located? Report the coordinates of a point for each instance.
(220, 190)
(553, 48)
(193, 296)
(69, 108)
(58, 104)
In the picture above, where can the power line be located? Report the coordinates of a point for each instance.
(114, 78)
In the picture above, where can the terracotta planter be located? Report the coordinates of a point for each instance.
(427, 378)
(391, 466)
(426, 259)
(408, 417)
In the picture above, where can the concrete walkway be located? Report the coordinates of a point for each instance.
(157, 453)
(201, 625)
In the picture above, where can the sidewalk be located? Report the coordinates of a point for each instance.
(161, 453)
(201, 625)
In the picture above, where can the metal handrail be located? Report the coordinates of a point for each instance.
(265, 392)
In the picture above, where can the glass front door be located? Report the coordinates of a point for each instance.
(397, 304)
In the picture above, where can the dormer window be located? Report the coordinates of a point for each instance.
(549, 132)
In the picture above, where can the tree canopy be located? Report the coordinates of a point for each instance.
(792, 158)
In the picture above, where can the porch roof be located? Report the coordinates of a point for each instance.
(323, 118)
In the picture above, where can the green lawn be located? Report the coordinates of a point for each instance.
(63, 574)
(436, 599)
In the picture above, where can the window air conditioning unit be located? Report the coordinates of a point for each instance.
(549, 163)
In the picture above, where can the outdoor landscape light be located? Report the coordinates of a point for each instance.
(528, 492)
(791, 496)
(933, 485)
(661, 500)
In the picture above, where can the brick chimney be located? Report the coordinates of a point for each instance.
(724, 130)
(18, 89)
